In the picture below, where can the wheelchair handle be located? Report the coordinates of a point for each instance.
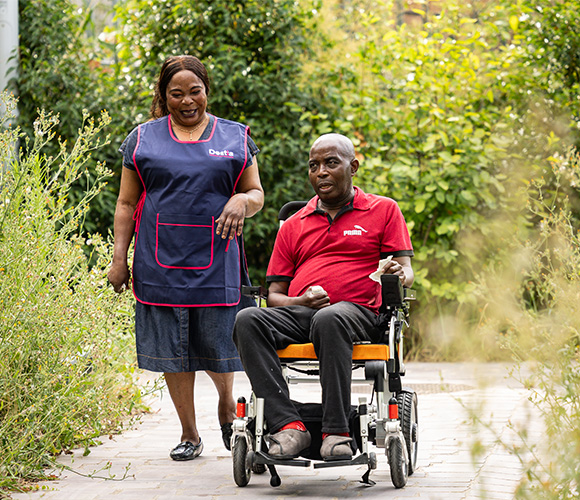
(257, 292)
(288, 208)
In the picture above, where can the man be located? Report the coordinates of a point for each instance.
(320, 292)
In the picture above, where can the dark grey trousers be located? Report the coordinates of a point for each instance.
(259, 332)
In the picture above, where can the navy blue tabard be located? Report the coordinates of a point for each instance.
(179, 260)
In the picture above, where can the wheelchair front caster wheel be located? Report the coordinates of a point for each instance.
(241, 461)
(397, 463)
(275, 481)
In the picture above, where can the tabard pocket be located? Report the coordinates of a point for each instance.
(184, 241)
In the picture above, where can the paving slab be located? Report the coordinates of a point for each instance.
(135, 465)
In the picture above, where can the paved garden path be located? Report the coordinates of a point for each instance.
(446, 469)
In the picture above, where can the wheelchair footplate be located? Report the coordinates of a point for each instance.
(262, 458)
(250, 454)
(394, 429)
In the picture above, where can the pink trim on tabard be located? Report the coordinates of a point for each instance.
(195, 305)
(145, 194)
(189, 305)
(239, 176)
(174, 137)
(138, 212)
(139, 208)
(245, 159)
(183, 225)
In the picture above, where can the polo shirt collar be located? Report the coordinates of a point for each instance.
(360, 202)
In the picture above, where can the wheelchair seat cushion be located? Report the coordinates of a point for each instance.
(360, 352)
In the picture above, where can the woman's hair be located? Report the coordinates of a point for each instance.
(170, 68)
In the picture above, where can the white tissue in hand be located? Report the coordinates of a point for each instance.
(376, 276)
(317, 289)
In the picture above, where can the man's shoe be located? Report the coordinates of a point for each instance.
(336, 447)
(289, 443)
(227, 432)
(186, 451)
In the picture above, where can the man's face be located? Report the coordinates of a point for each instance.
(331, 169)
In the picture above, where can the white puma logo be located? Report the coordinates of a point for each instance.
(358, 231)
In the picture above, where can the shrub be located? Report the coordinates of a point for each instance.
(532, 304)
(62, 69)
(65, 377)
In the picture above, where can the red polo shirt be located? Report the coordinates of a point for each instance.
(339, 255)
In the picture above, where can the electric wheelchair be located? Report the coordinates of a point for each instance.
(389, 420)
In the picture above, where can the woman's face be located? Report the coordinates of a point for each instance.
(186, 98)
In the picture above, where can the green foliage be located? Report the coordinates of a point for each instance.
(65, 377)
(59, 72)
(434, 120)
(533, 302)
(450, 119)
(552, 29)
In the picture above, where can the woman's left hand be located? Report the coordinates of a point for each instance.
(230, 223)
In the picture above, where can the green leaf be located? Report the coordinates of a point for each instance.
(430, 143)
(468, 197)
(420, 205)
(514, 23)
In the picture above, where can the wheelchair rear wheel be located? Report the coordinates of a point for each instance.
(242, 472)
(410, 426)
(397, 462)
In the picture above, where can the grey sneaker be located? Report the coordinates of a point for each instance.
(289, 443)
(336, 448)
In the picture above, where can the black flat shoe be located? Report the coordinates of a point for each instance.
(186, 451)
(227, 432)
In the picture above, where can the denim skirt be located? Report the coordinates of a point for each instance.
(187, 339)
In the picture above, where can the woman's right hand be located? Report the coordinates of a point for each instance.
(118, 276)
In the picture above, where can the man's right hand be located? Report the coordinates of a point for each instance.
(316, 298)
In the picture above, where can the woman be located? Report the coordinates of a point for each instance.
(188, 182)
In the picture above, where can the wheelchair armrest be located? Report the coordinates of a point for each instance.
(393, 293)
(392, 290)
(255, 291)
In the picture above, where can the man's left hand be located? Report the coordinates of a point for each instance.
(394, 267)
